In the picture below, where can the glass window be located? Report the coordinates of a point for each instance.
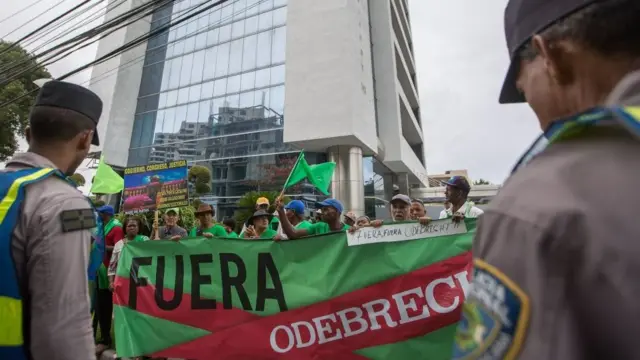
(232, 100)
(159, 122)
(252, 7)
(192, 112)
(265, 21)
(172, 34)
(220, 87)
(190, 44)
(212, 37)
(178, 48)
(172, 98)
(278, 51)
(237, 29)
(279, 16)
(183, 95)
(170, 49)
(249, 53)
(233, 84)
(209, 63)
(203, 21)
(216, 104)
(235, 56)
(167, 122)
(262, 77)
(165, 75)
(174, 78)
(203, 112)
(264, 49)
(194, 92)
(225, 33)
(248, 81)
(185, 72)
(192, 27)
(214, 18)
(201, 40)
(246, 99)
(207, 90)
(277, 99)
(227, 11)
(277, 3)
(251, 25)
(162, 100)
(277, 75)
(181, 31)
(197, 68)
(259, 97)
(239, 9)
(222, 60)
(266, 5)
(174, 127)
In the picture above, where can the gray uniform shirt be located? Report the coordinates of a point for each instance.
(167, 233)
(52, 267)
(558, 252)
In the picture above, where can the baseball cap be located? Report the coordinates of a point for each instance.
(334, 203)
(401, 198)
(459, 182)
(175, 210)
(522, 20)
(262, 201)
(106, 209)
(351, 216)
(296, 206)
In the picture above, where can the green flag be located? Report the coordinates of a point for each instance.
(394, 292)
(106, 180)
(318, 175)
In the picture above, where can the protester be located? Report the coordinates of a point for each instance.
(556, 269)
(401, 211)
(417, 209)
(350, 218)
(207, 227)
(170, 230)
(447, 205)
(258, 226)
(262, 203)
(294, 212)
(104, 303)
(331, 220)
(132, 234)
(457, 191)
(363, 221)
(45, 231)
(230, 225)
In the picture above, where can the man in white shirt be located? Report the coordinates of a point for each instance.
(456, 191)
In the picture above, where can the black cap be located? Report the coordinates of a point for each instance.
(72, 97)
(522, 20)
(459, 182)
(259, 213)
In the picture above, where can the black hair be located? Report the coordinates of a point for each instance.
(230, 222)
(137, 219)
(610, 28)
(53, 124)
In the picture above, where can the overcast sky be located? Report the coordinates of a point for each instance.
(461, 60)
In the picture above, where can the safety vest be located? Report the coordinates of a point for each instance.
(12, 186)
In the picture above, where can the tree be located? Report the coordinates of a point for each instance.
(78, 179)
(481, 182)
(14, 117)
(247, 204)
(200, 177)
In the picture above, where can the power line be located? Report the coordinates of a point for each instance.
(37, 16)
(20, 11)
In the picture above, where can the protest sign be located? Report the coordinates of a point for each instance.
(310, 298)
(155, 187)
(404, 231)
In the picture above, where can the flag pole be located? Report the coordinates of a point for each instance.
(290, 172)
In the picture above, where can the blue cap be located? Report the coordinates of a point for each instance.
(334, 203)
(106, 209)
(459, 182)
(296, 205)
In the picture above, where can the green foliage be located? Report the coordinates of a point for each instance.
(187, 219)
(200, 177)
(98, 203)
(481, 182)
(14, 117)
(247, 205)
(78, 179)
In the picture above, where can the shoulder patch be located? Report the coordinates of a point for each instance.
(495, 317)
(79, 219)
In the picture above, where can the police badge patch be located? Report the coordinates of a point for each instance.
(494, 317)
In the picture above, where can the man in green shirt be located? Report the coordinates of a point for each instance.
(230, 225)
(331, 220)
(294, 212)
(207, 228)
(258, 226)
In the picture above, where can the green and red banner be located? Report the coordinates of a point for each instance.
(389, 293)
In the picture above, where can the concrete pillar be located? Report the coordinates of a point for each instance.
(390, 179)
(347, 184)
(403, 183)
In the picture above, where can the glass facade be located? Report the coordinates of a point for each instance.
(212, 92)
(375, 205)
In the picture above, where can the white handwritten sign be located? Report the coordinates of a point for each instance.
(405, 232)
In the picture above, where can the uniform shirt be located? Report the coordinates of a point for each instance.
(558, 252)
(467, 209)
(322, 228)
(166, 232)
(52, 267)
(216, 230)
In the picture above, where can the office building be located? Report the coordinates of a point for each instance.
(243, 87)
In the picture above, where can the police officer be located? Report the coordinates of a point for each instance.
(556, 274)
(45, 232)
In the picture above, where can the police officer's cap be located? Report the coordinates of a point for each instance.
(71, 97)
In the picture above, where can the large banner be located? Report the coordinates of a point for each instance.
(323, 297)
(155, 187)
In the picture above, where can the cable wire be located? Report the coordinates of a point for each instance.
(20, 11)
(37, 16)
